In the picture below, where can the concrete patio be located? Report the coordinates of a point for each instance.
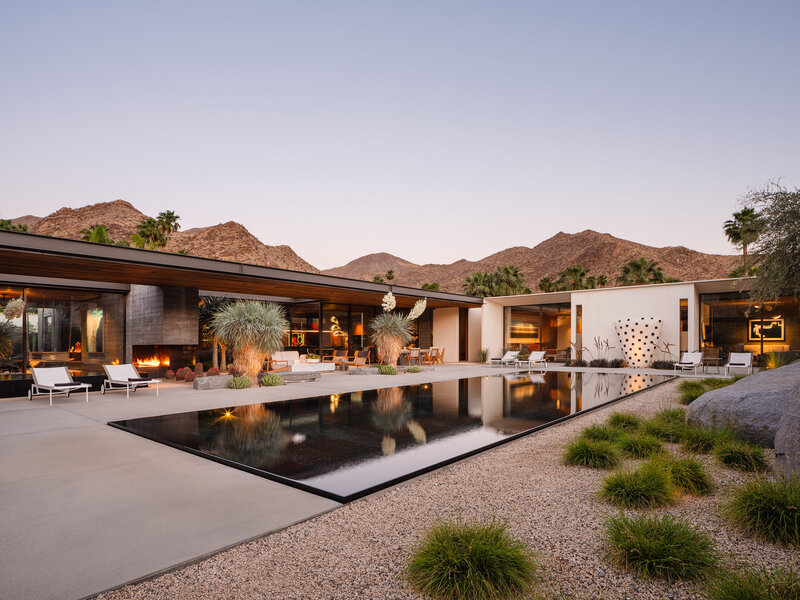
(87, 507)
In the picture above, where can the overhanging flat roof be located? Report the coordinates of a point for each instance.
(43, 256)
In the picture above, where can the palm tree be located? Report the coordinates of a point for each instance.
(547, 285)
(573, 278)
(149, 233)
(210, 306)
(389, 275)
(168, 221)
(433, 287)
(743, 230)
(253, 330)
(478, 284)
(509, 281)
(641, 271)
(97, 234)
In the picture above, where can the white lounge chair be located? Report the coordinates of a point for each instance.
(508, 359)
(535, 359)
(54, 380)
(740, 360)
(125, 376)
(689, 361)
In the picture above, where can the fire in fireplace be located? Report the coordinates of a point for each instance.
(156, 360)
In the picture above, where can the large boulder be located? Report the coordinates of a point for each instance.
(753, 406)
(787, 440)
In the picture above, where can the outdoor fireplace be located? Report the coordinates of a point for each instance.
(155, 360)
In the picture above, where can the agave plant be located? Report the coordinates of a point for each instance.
(7, 333)
(392, 330)
(253, 330)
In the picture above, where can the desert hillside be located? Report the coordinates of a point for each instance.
(366, 267)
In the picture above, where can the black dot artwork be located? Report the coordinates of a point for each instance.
(638, 339)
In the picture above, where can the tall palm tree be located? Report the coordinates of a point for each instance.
(641, 271)
(509, 280)
(573, 278)
(743, 230)
(478, 284)
(547, 285)
(253, 330)
(149, 231)
(168, 222)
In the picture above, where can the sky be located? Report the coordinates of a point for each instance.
(433, 130)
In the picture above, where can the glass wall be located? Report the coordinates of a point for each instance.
(540, 327)
(325, 328)
(335, 328)
(11, 346)
(78, 329)
(304, 331)
(729, 322)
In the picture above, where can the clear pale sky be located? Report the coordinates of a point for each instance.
(433, 130)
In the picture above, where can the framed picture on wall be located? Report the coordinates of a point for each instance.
(772, 330)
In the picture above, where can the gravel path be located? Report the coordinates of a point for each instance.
(359, 550)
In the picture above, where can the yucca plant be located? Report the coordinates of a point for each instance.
(7, 333)
(391, 331)
(253, 330)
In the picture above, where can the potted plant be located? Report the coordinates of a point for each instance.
(391, 331)
(312, 358)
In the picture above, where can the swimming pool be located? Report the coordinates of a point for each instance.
(345, 446)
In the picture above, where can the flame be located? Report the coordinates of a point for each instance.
(151, 361)
(115, 361)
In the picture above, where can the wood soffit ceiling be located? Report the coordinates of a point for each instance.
(70, 259)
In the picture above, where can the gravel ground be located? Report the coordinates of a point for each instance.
(360, 550)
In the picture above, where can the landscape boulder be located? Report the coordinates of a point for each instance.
(752, 406)
(787, 440)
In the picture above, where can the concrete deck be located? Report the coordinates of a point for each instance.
(86, 507)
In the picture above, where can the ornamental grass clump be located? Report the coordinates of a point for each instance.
(742, 456)
(668, 425)
(701, 440)
(478, 561)
(239, 382)
(624, 421)
(587, 453)
(600, 433)
(646, 487)
(391, 331)
(767, 509)
(660, 546)
(272, 379)
(640, 446)
(690, 390)
(744, 583)
(687, 475)
(253, 330)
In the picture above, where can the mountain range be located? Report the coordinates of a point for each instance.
(601, 253)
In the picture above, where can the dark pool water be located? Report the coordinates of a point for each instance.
(348, 445)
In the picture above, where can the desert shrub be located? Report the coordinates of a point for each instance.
(414, 369)
(239, 382)
(741, 455)
(189, 376)
(660, 546)
(599, 362)
(387, 370)
(640, 446)
(586, 453)
(578, 362)
(170, 374)
(617, 363)
(768, 509)
(600, 433)
(744, 583)
(180, 373)
(663, 364)
(688, 475)
(213, 372)
(701, 440)
(624, 421)
(645, 487)
(272, 379)
(480, 561)
(198, 370)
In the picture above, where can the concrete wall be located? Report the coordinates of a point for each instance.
(445, 332)
(474, 334)
(602, 308)
(492, 328)
(161, 315)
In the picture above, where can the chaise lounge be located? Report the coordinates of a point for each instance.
(127, 377)
(54, 380)
(689, 361)
(535, 359)
(739, 360)
(509, 359)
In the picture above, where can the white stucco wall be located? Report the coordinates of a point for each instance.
(445, 332)
(602, 308)
(492, 328)
(474, 319)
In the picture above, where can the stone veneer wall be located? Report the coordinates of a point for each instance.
(161, 315)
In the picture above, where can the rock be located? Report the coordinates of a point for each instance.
(753, 406)
(787, 440)
(212, 382)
